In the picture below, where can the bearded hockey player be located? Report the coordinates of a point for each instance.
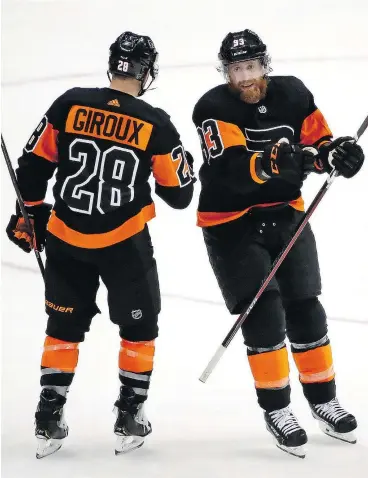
(260, 136)
(104, 143)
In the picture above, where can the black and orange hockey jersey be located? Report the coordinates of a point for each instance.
(104, 145)
(233, 132)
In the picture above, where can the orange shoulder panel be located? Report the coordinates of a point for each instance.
(46, 146)
(314, 127)
(231, 134)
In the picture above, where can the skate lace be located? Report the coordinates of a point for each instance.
(285, 420)
(331, 410)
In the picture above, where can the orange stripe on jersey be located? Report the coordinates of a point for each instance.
(96, 241)
(270, 369)
(207, 219)
(314, 127)
(298, 204)
(315, 365)
(60, 355)
(136, 356)
(33, 203)
(46, 146)
(231, 134)
(83, 120)
(164, 170)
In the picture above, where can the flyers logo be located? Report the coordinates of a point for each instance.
(258, 139)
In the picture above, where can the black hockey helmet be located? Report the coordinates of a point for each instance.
(134, 56)
(242, 46)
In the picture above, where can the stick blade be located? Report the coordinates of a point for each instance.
(362, 128)
(212, 364)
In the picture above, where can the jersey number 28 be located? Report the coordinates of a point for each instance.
(105, 180)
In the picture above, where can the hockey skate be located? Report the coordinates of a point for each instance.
(335, 421)
(51, 428)
(285, 429)
(131, 426)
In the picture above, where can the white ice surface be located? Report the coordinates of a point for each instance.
(203, 431)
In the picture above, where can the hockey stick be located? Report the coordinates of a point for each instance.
(21, 205)
(277, 263)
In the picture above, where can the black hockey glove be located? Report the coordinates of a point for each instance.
(20, 234)
(285, 161)
(344, 154)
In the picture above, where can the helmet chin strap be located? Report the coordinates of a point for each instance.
(142, 89)
(143, 84)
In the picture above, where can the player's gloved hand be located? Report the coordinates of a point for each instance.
(19, 233)
(344, 154)
(283, 160)
(310, 154)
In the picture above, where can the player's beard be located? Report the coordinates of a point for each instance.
(253, 94)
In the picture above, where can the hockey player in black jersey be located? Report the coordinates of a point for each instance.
(261, 136)
(104, 143)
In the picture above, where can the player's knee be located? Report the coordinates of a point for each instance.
(305, 320)
(143, 332)
(70, 328)
(265, 326)
(139, 306)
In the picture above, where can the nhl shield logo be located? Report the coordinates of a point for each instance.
(262, 109)
(136, 314)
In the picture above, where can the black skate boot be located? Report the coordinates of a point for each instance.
(335, 421)
(131, 425)
(51, 427)
(284, 427)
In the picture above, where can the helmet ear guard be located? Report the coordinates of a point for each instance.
(134, 56)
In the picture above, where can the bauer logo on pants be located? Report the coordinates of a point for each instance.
(137, 314)
(59, 308)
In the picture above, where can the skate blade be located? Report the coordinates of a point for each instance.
(125, 444)
(348, 437)
(298, 451)
(47, 447)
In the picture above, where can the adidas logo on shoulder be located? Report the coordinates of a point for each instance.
(114, 103)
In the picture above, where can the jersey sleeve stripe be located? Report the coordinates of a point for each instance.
(231, 134)
(129, 228)
(314, 128)
(46, 146)
(164, 170)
